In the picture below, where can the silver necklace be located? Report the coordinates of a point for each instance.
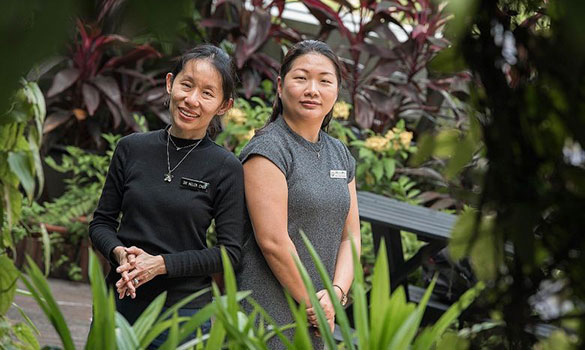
(315, 150)
(169, 175)
(182, 147)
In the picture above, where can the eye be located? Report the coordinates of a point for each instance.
(326, 81)
(300, 78)
(185, 84)
(208, 93)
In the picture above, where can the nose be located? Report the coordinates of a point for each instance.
(192, 99)
(312, 88)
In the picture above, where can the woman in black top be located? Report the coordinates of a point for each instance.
(168, 185)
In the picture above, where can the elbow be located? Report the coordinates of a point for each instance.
(270, 246)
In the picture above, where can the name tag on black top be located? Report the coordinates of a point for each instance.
(194, 185)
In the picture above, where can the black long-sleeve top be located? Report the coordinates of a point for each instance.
(171, 219)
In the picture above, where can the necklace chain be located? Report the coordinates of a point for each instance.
(315, 150)
(169, 175)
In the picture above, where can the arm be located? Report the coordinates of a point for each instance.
(104, 226)
(351, 231)
(343, 276)
(267, 199)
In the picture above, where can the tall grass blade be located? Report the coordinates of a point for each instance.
(340, 315)
(321, 319)
(40, 290)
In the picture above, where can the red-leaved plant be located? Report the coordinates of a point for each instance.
(388, 78)
(93, 91)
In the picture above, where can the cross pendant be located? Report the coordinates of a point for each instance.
(168, 177)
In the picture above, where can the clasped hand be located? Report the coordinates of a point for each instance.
(328, 309)
(137, 267)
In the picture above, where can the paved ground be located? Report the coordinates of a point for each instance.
(73, 298)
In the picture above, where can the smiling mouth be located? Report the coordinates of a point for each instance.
(310, 103)
(186, 114)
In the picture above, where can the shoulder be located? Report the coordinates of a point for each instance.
(270, 143)
(139, 138)
(335, 144)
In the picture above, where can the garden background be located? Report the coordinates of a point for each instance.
(475, 107)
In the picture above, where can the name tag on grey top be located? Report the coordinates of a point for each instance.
(338, 174)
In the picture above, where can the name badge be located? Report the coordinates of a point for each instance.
(194, 185)
(338, 174)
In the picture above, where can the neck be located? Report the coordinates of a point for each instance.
(307, 130)
(181, 134)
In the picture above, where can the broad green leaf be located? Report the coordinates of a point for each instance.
(173, 338)
(8, 279)
(20, 165)
(461, 233)
(462, 156)
(230, 284)
(426, 146)
(147, 318)
(446, 142)
(125, 337)
(389, 167)
(378, 170)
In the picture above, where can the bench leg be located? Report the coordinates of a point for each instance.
(393, 250)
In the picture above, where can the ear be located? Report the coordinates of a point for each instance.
(278, 86)
(169, 81)
(225, 106)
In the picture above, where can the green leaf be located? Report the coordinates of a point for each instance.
(322, 320)
(450, 341)
(46, 249)
(426, 146)
(148, 317)
(216, 337)
(8, 279)
(379, 295)
(446, 142)
(462, 156)
(389, 167)
(25, 334)
(125, 338)
(20, 165)
(432, 334)
(360, 305)
(102, 333)
(340, 316)
(378, 170)
(40, 290)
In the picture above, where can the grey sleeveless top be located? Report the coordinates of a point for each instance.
(317, 176)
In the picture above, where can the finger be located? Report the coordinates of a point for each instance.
(131, 258)
(320, 294)
(125, 267)
(134, 250)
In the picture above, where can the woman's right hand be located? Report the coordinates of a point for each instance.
(123, 257)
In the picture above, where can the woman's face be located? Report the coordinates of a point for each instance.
(196, 97)
(310, 88)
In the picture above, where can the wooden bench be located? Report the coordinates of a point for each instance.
(388, 217)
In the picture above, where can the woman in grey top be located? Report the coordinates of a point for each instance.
(297, 177)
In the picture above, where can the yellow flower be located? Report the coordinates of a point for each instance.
(247, 136)
(377, 143)
(341, 110)
(389, 135)
(236, 116)
(396, 145)
(405, 138)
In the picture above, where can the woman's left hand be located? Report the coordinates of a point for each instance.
(328, 309)
(144, 268)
